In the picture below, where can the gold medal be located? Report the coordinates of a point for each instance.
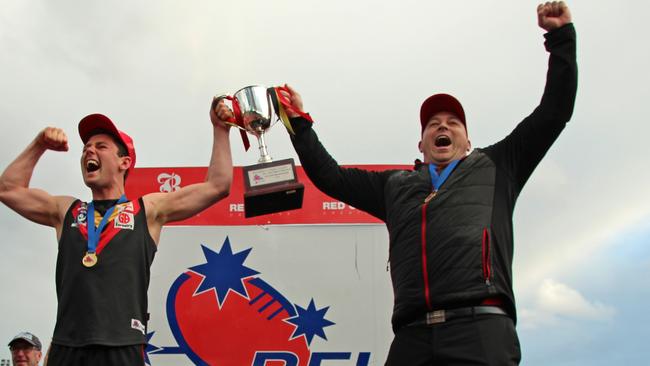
(89, 260)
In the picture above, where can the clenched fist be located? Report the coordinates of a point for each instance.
(294, 99)
(220, 113)
(53, 138)
(553, 15)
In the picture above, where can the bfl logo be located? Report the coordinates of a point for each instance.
(222, 313)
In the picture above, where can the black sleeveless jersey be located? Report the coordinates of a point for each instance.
(105, 304)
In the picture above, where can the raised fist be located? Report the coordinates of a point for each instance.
(553, 15)
(53, 138)
(294, 99)
(220, 113)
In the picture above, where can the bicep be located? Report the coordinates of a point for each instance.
(181, 204)
(38, 205)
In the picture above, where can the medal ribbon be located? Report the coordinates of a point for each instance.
(95, 233)
(438, 180)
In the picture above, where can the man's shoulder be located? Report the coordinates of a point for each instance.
(66, 203)
(401, 175)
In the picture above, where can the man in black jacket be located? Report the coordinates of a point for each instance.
(450, 219)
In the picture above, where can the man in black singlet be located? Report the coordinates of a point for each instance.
(102, 271)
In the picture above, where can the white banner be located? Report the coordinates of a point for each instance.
(270, 296)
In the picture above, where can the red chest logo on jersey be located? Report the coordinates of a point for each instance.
(124, 220)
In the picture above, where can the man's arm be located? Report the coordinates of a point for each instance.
(162, 208)
(35, 204)
(521, 151)
(357, 187)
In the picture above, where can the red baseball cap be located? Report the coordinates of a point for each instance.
(96, 123)
(441, 103)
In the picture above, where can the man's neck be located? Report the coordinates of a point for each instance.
(108, 193)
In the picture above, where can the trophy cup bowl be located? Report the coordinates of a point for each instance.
(255, 108)
(255, 114)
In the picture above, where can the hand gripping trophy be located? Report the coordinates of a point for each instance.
(269, 186)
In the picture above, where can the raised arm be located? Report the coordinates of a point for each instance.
(188, 201)
(521, 151)
(360, 188)
(35, 204)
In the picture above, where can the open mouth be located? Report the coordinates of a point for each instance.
(92, 165)
(442, 141)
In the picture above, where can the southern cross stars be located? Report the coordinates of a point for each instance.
(225, 272)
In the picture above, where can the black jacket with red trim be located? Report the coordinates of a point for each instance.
(457, 248)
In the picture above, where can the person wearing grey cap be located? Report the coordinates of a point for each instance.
(25, 349)
(449, 219)
(106, 246)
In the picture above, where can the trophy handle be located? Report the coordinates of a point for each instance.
(282, 104)
(234, 121)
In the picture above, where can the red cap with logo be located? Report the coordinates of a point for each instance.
(99, 123)
(441, 103)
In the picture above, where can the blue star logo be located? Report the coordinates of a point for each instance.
(310, 322)
(223, 272)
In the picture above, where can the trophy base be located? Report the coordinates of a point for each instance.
(271, 187)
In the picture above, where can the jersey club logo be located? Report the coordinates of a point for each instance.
(222, 313)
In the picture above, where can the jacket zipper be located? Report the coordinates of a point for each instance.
(487, 269)
(425, 272)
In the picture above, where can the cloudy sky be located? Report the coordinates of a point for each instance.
(582, 258)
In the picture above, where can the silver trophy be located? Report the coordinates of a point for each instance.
(270, 186)
(252, 106)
